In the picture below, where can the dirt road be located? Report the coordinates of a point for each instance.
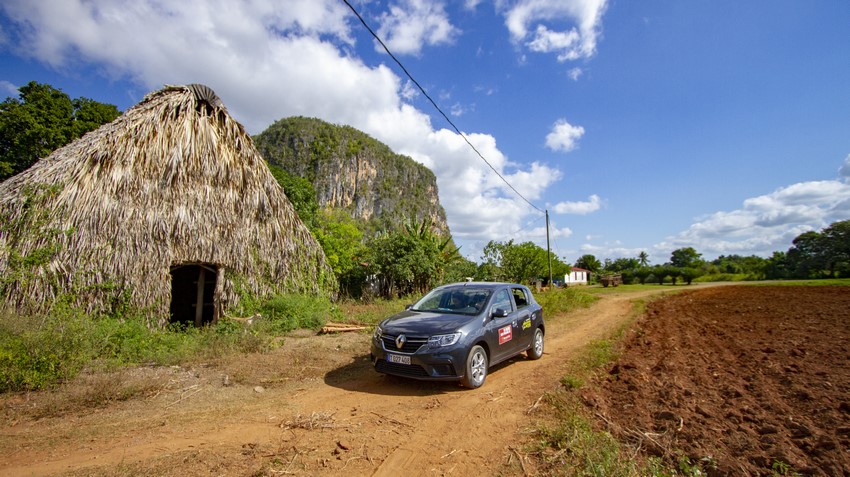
(313, 406)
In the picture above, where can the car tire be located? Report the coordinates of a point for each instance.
(536, 350)
(476, 368)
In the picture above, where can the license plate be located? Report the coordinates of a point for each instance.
(395, 358)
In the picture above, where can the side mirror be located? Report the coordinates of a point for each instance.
(407, 307)
(499, 313)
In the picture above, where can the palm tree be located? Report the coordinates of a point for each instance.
(447, 252)
(643, 258)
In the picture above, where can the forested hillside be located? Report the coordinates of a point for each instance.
(352, 171)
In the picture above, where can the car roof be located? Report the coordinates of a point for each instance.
(487, 285)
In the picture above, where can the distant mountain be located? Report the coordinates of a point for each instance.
(351, 170)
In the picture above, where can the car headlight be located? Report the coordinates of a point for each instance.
(378, 332)
(439, 341)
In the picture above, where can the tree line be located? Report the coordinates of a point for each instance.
(813, 255)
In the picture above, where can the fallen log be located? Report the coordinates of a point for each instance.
(342, 327)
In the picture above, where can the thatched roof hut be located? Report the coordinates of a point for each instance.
(169, 208)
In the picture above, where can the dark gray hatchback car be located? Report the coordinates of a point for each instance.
(457, 331)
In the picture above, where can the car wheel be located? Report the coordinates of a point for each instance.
(536, 350)
(476, 368)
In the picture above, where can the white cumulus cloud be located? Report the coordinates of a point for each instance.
(530, 22)
(564, 136)
(547, 41)
(592, 204)
(411, 24)
(766, 223)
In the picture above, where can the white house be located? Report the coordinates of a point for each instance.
(577, 276)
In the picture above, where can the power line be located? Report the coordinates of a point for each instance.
(457, 130)
(527, 226)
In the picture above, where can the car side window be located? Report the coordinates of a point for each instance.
(520, 297)
(502, 300)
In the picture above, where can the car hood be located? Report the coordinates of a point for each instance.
(425, 323)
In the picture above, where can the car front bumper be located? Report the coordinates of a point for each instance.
(435, 364)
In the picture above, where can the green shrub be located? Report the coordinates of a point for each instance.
(562, 300)
(39, 351)
(285, 313)
(729, 277)
(129, 341)
(229, 336)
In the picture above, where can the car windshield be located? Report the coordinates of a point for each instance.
(462, 301)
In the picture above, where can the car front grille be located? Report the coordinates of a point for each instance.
(411, 370)
(410, 346)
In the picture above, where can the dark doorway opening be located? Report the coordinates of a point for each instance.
(193, 294)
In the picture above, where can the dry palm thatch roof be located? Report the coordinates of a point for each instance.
(174, 180)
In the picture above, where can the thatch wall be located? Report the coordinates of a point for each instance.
(173, 180)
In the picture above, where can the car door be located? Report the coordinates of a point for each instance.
(501, 330)
(524, 330)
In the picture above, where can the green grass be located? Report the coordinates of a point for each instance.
(570, 445)
(372, 312)
(810, 283)
(564, 300)
(726, 277)
(600, 290)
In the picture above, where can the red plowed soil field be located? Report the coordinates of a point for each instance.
(747, 380)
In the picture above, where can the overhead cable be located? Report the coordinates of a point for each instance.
(457, 130)
(526, 227)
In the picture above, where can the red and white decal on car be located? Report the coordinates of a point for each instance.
(505, 334)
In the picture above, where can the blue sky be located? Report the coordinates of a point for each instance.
(640, 126)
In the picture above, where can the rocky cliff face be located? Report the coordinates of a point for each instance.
(353, 171)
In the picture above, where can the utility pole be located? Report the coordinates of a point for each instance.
(548, 250)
